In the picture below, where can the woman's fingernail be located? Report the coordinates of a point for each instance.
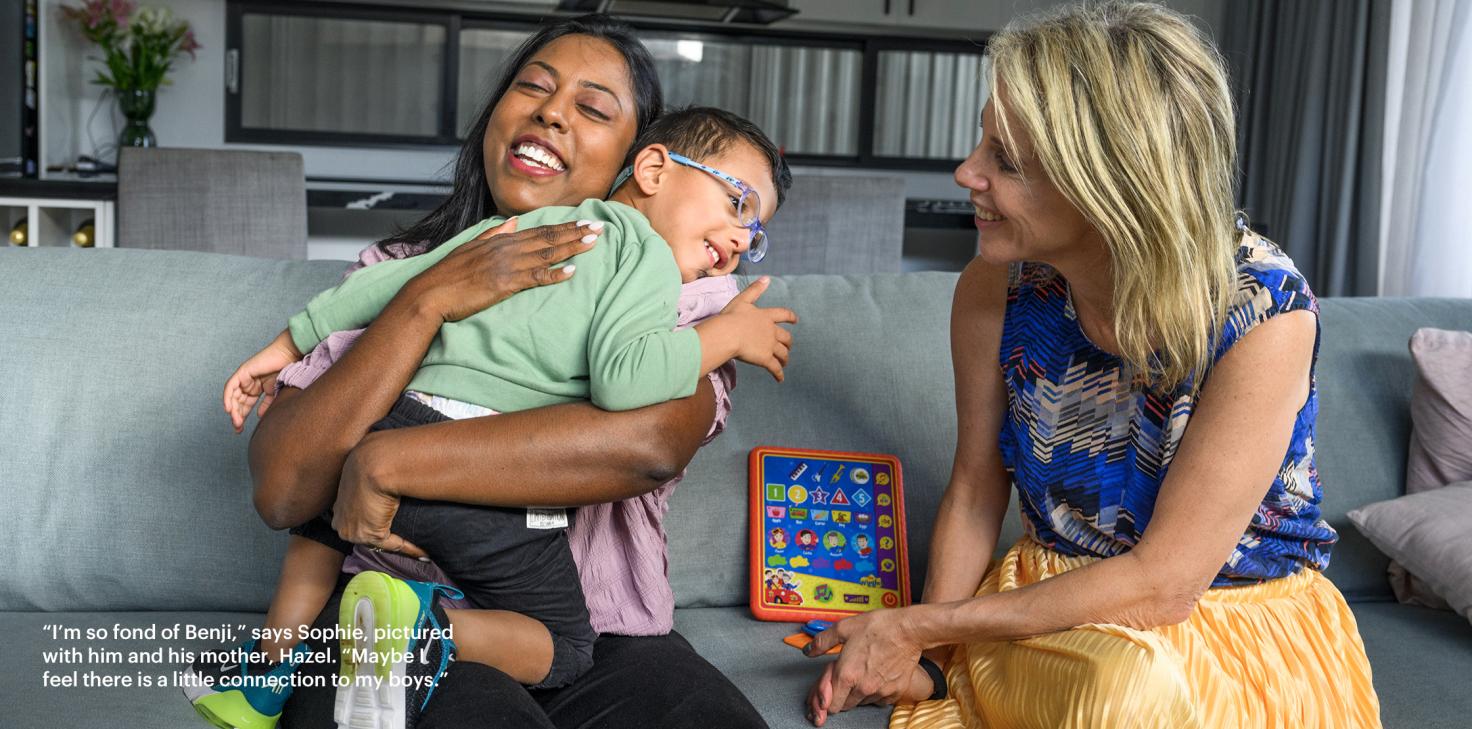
(589, 238)
(423, 559)
(567, 270)
(584, 223)
(595, 225)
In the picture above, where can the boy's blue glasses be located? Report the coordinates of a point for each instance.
(748, 205)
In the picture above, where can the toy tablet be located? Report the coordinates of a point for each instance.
(827, 534)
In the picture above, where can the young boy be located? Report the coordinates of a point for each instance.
(606, 335)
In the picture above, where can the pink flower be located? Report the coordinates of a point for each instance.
(121, 9)
(189, 45)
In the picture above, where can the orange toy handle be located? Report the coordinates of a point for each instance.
(801, 641)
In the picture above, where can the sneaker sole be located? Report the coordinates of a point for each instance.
(224, 709)
(372, 694)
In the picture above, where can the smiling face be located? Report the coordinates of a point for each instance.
(559, 133)
(695, 211)
(1021, 219)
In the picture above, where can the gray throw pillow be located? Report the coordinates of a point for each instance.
(1441, 434)
(1441, 410)
(1431, 534)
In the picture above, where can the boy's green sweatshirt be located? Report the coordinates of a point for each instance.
(605, 335)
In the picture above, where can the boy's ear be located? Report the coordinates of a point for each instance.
(652, 167)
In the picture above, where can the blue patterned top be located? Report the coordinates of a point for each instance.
(1088, 448)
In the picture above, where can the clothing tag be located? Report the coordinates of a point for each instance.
(546, 518)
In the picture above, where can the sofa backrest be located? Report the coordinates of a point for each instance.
(1365, 376)
(124, 488)
(871, 371)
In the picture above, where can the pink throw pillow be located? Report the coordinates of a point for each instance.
(1441, 433)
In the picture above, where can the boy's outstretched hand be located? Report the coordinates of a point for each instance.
(748, 332)
(255, 379)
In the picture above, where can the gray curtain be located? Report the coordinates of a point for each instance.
(805, 99)
(368, 76)
(928, 104)
(1310, 79)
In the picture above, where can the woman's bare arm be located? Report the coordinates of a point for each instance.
(564, 455)
(1205, 504)
(298, 450)
(970, 516)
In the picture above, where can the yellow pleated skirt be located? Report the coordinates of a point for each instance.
(1286, 653)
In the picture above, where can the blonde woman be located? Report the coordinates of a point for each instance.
(1141, 366)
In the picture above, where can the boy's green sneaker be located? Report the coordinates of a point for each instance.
(396, 646)
(238, 693)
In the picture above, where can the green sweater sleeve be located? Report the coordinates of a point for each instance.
(359, 299)
(635, 358)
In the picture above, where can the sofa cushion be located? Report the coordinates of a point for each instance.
(1364, 378)
(1441, 436)
(870, 372)
(1441, 410)
(773, 675)
(1421, 659)
(130, 492)
(1429, 533)
(124, 486)
(30, 706)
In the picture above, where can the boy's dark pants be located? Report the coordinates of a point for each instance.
(493, 557)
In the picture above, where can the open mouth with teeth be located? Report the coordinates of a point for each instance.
(987, 215)
(537, 157)
(717, 258)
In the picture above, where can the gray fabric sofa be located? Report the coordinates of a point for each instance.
(126, 501)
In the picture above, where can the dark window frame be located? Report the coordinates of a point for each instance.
(235, 131)
(454, 21)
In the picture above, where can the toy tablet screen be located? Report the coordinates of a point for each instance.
(827, 534)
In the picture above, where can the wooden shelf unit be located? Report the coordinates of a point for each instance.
(52, 221)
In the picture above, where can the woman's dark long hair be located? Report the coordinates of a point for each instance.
(470, 201)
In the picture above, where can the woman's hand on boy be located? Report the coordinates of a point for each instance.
(498, 263)
(364, 511)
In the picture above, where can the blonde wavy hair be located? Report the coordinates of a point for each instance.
(1131, 117)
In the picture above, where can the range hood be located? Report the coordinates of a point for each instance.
(760, 12)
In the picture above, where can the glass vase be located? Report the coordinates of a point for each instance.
(137, 108)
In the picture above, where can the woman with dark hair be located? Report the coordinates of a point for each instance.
(554, 132)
